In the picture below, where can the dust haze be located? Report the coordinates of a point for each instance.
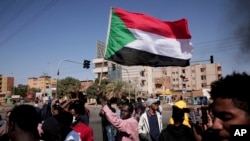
(238, 15)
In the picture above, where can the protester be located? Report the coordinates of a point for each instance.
(177, 131)
(230, 105)
(119, 105)
(56, 109)
(85, 131)
(159, 109)
(126, 125)
(78, 112)
(23, 123)
(45, 112)
(181, 104)
(14, 103)
(150, 123)
(57, 127)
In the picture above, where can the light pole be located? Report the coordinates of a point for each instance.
(58, 67)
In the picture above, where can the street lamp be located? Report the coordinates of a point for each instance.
(59, 64)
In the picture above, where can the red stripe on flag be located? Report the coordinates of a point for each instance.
(171, 29)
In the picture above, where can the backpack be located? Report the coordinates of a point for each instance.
(73, 136)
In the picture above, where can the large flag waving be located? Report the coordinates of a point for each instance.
(140, 39)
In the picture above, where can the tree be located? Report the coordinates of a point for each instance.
(91, 91)
(68, 86)
(21, 90)
(114, 89)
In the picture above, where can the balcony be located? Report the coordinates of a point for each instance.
(99, 70)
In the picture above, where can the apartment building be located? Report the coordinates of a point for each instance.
(6, 86)
(44, 83)
(193, 77)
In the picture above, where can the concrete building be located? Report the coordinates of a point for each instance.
(6, 86)
(44, 83)
(195, 77)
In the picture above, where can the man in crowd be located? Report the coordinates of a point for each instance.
(150, 123)
(231, 105)
(126, 125)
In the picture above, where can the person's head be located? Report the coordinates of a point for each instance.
(56, 109)
(231, 103)
(23, 119)
(13, 101)
(177, 114)
(76, 109)
(57, 127)
(109, 103)
(152, 103)
(120, 103)
(127, 111)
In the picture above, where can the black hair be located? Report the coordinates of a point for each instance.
(78, 107)
(26, 118)
(234, 86)
(130, 107)
(177, 114)
(57, 107)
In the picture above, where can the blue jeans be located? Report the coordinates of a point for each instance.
(111, 132)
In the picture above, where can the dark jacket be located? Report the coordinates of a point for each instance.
(176, 133)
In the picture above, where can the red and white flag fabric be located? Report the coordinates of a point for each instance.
(139, 39)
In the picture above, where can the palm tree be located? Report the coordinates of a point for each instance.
(114, 89)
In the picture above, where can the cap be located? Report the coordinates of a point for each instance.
(150, 101)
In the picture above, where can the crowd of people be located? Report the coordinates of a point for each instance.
(69, 120)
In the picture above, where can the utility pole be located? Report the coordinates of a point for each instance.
(66, 60)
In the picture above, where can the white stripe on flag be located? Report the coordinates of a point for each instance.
(160, 45)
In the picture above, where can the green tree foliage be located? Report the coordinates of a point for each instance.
(114, 89)
(21, 90)
(67, 86)
(92, 90)
(34, 90)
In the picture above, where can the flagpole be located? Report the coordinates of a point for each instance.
(110, 16)
(100, 79)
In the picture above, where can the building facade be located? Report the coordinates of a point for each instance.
(44, 83)
(6, 86)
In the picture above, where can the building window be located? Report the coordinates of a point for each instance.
(142, 73)
(143, 83)
(203, 77)
(219, 68)
(203, 85)
(203, 69)
(183, 71)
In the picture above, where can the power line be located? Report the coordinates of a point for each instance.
(18, 13)
(41, 12)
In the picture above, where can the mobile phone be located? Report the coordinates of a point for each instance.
(192, 116)
(204, 112)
